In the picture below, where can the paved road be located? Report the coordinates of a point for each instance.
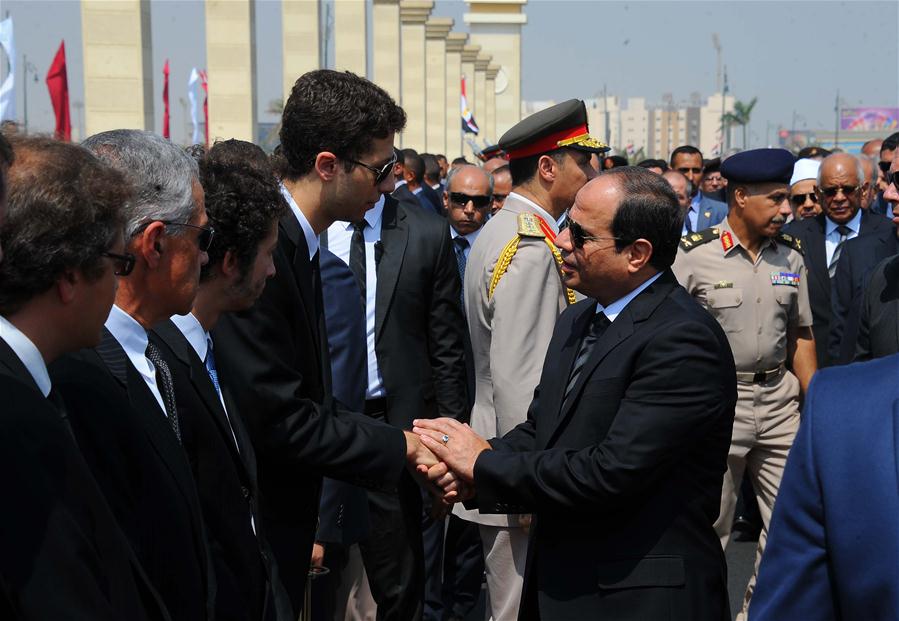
(740, 558)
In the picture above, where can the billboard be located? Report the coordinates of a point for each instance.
(869, 119)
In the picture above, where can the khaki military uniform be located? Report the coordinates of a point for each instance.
(513, 294)
(756, 303)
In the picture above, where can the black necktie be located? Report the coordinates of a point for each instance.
(56, 399)
(166, 387)
(598, 325)
(357, 256)
(844, 231)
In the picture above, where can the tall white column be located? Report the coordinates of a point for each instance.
(490, 100)
(413, 15)
(436, 30)
(454, 43)
(350, 40)
(386, 46)
(469, 56)
(300, 40)
(231, 67)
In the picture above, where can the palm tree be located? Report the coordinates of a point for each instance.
(740, 116)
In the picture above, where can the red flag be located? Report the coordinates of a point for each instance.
(205, 84)
(58, 84)
(165, 100)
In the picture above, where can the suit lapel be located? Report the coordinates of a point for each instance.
(14, 367)
(817, 252)
(569, 353)
(297, 251)
(394, 236)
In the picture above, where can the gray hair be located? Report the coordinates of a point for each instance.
(161, 173)
(455, 171)
(875, 168)
(859, 171)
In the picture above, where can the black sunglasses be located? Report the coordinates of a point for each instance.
(380, 173)
(884, 166)
(579, 236)
(123, 263)
(799, 199)
(460, 198)
(847, 190)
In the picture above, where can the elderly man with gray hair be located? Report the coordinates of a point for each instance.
(119, 395)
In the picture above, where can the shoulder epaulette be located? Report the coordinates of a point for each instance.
(793, 242)
(529, 225)
(690, 241)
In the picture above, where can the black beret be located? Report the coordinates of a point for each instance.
(562, 125)
(759, 166)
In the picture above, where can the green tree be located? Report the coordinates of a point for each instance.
(740, 116)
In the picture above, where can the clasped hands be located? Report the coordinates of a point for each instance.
(442, 453)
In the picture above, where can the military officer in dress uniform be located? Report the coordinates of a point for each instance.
(752, 279)
(513, 293)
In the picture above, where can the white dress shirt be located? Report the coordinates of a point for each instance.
(340, 237)
(308, 232)
(553, 224)
(133, 339)
(28, 353)
(832, 235)
(615, 308)
(201, 341)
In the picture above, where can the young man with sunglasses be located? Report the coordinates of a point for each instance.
(120, 395)
(337, 138)
(513, 295)
(62, 553)
(751, 278)
(840, 186)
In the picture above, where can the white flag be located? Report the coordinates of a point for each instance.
(192, 95)
(7, 89)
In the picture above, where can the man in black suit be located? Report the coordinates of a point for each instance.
(841, 182)
(119, 394)
(244, 201)
(275, 353)
(62, 554)
(623, 452)
(409, 279)
(411, 188)
(878, 330)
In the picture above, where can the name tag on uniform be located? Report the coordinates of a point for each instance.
(785, 278)
(724, 284)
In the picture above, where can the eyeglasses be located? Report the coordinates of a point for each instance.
(799, 199)
(460, 198)
(380, 173)
(204, 239)
(845, 189)
(579, 236)
(884, 166)
(123, 263)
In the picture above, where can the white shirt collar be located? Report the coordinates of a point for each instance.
(470, 237)
(308, 232)
(540, 210)
(127, 331)
(614, 309)
(194, 333)
(855, 224)
(372, 216)
(28, 353)
(398, 183)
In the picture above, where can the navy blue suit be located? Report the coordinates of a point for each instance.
(711, 212)
(833, 544)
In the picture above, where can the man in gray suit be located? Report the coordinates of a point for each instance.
(513, 294)
(704, 212)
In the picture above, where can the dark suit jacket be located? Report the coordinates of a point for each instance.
(225, 474)
(878, 329)
(711, 212)
(62, 554)
(625, 481)
(858, 259)
(421, 200)
(419, 325)
(276, 359)
(433, 197)
(811, 232)
(142, 470)
(833, 544)
(343, 510)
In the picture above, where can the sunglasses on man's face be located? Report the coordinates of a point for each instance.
(123, 264)
(845, 189)
(380, 173)
(799, 199)
(579, 236)
(884, 166)
(462, 199)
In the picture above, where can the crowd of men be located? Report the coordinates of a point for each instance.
(225, 372)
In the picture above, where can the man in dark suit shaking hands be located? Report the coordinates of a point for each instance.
(623, 452)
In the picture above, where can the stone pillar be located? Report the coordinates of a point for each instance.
(496, 26)
(469, 55)
(480, 76)
(413, 15)
(231, 66)
(301, 41)
(436, 30)
(118, 65)
(350, 40)
(454, 43)
(386, 46)
(490, 132)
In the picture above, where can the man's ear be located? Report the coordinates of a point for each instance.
(230, 266)
(640, 252)
(67, 284)
(150, 244)
(547, 168)
(326, 164)
(741, 193)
